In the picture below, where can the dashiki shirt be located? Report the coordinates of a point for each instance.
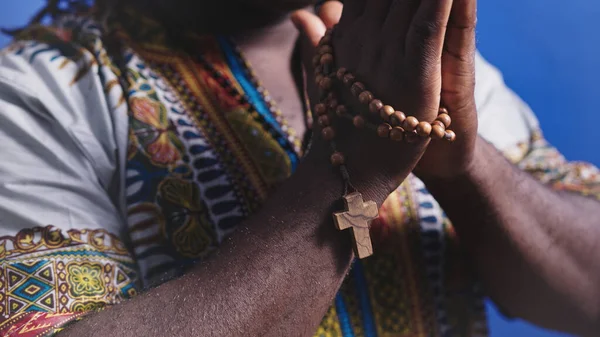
(122, 167)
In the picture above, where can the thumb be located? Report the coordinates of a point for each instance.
(309, 25)
(331, 12)
(458, 66)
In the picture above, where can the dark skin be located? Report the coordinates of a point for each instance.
(534, 249)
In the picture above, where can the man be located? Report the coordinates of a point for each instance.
(136, 138)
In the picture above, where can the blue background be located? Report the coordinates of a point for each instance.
(548, 51)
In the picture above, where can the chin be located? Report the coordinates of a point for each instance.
(281, 5)
(222, 16)
(262, 5)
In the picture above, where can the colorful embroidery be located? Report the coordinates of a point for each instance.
(45, 274)
(153, 132)
(85, 279)
(550, 167)
(169, 231)
(32, 240)
(59, 40)
(192, 233)
(36, 324)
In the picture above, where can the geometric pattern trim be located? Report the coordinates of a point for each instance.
(66, 275)
(41, 239)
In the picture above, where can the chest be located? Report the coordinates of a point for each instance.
(207, 144)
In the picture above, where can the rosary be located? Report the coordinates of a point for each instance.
(395, 125)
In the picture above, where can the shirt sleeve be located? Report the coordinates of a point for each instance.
(62, 252)
(508, 123)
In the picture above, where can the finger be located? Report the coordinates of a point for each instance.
(424, 46)
(376, 11)
(331, 12)
(353, 9)
(309, 25)
(311, 30)
(460, 34)
(458, 62)
(459, 46)
(428, 29)
(397, 23)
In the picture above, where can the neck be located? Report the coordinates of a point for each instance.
(278, 37)
(270, 52)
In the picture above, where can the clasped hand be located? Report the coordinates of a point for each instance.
(413, 55)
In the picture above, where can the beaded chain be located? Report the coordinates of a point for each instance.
(393, 124)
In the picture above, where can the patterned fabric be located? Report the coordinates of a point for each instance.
(62, 248)
(134, 163)
(45, 271)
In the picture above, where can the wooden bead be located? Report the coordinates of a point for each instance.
(397, 118)
(326, 40)
(443, 111)
(437, 132)
(357, 88)
(328, 133)
(341, 110)
(383, 130)
(411, 137)
(316, 60)
(326, 83)
(333, 103)
(375, 106)
(325, 49)
(365, 97)
(337, 159)
(318, 79)
(329, 32)
(320, 109)
(397, 134)
(349, 79)
(444, 118)
(318, 70)
(410, 123)
(324, 121)
(385, 112)
(438, 123)
(341, 73)
(326, 59)
(359, 122)
(424, 129)
(450, 136)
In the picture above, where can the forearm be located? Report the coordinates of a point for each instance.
(535, 250)
(276, 276)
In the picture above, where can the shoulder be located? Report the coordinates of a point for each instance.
(68, 56)
(61, 75)
(505, 120)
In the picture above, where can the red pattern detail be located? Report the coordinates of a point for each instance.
(36, 324)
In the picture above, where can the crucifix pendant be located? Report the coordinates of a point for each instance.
(358, 216)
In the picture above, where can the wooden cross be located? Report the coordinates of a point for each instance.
(358, 217)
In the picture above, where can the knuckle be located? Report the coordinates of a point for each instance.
(426, 29)
(464, 56)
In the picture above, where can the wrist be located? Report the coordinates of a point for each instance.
(473, 170)
(372, 184)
